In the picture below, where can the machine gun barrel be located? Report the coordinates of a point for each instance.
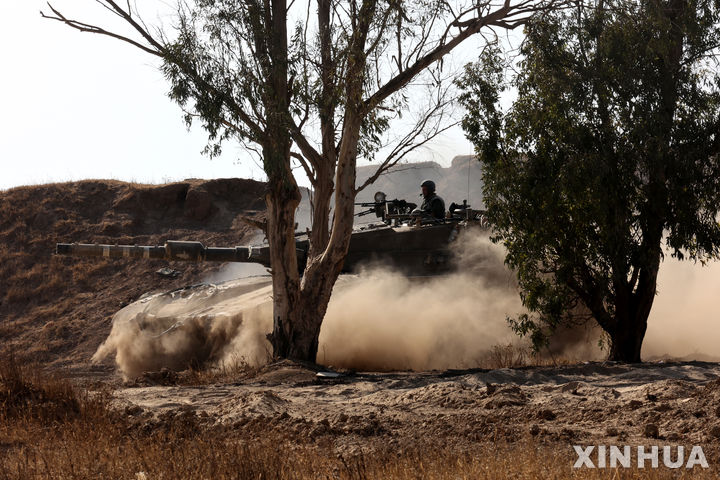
(172, 250)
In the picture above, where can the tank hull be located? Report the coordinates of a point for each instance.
(411, 250)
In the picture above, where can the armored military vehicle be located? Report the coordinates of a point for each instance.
(402, 238)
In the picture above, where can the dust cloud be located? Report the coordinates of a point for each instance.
(388, 322)
(377, 320)
(685, 317)
(381, 320)
(218, 324)
(385, 321)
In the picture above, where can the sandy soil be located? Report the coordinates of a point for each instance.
(591, 403)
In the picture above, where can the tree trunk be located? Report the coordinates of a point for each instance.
(296, 332)
(323, 267)
(630, 323)
(320, 234)
(293, 334)
(626, 342)
(299, 305)
(281, 201)
(628, 335)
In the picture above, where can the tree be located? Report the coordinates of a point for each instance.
(608, 155)
(320, 93)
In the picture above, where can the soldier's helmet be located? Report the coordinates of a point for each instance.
(429, 184)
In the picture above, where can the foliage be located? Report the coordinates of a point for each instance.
(226, 46)
(610, 149)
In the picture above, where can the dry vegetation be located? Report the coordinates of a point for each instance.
(50, 429)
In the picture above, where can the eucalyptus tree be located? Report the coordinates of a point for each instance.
(316, 85)
(609, 155)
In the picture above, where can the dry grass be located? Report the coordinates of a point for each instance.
(227, 372)
(507, 356)
(49, 429)
(512, 355)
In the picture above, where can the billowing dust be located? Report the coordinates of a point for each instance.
(385, 321)
(224, 324)
(381, 320)
(376, 320)
(685, 319)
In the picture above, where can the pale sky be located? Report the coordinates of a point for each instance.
(77, 105)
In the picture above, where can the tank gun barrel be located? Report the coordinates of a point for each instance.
(172, 250)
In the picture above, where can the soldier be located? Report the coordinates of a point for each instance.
(432, 205)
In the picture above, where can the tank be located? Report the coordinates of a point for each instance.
(402, 239)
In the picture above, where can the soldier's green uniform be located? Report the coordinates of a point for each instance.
(432, 205)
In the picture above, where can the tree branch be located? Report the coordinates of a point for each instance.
(303, 162)
(410, 142)
(159, 51)
(472, 26)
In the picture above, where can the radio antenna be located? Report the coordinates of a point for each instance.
(468, 183)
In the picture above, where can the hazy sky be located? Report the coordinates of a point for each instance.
(77, 105)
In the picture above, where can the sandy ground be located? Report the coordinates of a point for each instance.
(592, 403)
(588, 403)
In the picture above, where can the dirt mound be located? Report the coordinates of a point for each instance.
(56, 310)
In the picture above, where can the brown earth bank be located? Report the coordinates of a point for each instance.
(61, 417)
(56, 310)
